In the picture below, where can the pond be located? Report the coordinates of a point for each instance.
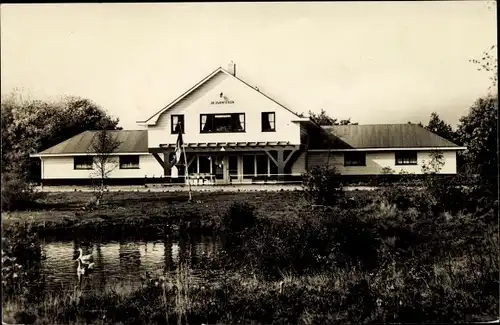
(126, 262)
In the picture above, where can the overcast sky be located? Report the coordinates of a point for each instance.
(376, 62)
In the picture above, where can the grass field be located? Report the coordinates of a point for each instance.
(366, 259)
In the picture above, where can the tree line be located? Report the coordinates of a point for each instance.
(30, 126)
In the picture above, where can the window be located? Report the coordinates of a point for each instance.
(218, 123)
(268, 122)
(354, 159)
(204, 164)
(248, 165)
(262, 162)
(406, 157)
(177, 121)
(83, 162)
(129, 162)
(233, 165)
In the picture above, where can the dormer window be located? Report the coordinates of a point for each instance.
(268, 122)
(177, 122)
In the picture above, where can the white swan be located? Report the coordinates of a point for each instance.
(83, 269)
(85, 258)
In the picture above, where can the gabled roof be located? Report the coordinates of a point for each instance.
(380, 136)
(131, 141)
(152, 120)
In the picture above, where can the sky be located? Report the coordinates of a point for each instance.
(373, 62)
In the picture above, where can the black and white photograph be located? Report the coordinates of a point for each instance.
(331, 162)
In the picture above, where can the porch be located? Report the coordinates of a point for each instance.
(230, 163)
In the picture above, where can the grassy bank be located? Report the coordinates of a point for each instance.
(124, 213)
(386, 256)
(336, 296)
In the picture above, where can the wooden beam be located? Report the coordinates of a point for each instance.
(289, 156)
(163, 162)
(281, 166)
(271, 157)
(158, 159)
(166, 163)
(190, 161)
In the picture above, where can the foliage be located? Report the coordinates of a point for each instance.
(17, 192)
(387, 171)
(440, 127)
(489, 63)
(322, 185)
(434, 164)
(21, 258)
(359, 264)
(239, 217)
(324, 119)
(478, 131)
(238, 223)
(30, 126)
(103, 146)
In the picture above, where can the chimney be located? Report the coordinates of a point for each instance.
(231, 68)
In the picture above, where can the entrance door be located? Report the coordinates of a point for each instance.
(218, 169)
(233, 168)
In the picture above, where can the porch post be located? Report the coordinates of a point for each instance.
(281, 165)
(166, 164)
(163, 162)
(281, 161)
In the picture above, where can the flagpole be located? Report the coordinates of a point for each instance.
(186, 164)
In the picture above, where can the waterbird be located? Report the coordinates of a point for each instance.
(82, 269)
(85, 258)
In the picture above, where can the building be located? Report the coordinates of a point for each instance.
(235, 134)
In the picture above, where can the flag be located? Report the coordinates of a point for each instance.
(178, 148)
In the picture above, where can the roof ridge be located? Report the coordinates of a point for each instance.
(205, 79)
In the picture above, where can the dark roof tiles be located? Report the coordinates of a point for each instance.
(130, 141)
(382, 136)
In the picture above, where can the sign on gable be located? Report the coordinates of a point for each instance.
(224, 101)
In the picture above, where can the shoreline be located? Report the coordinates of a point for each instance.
(197, 189)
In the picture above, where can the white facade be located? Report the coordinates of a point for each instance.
(223, 93)
(377, 160)
(241, 99)
(63, 168)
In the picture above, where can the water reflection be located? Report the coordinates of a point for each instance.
(126, 261)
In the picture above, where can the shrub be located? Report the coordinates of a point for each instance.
(238, 224)
(322, 185)
(21, 258)
(355, 239)
(238, 217)
(17, 192)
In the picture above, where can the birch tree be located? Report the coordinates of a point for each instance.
(104, 162)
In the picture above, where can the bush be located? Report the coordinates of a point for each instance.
(238, 224)
(238, 217)
(21, 262)
(17, 192)
(323, 186)
(355, 240)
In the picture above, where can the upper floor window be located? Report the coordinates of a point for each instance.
(129, 162)
(354, 158)
(406, 157)
(177, 122)
(211, 123)
(268, 121)
(83, 162)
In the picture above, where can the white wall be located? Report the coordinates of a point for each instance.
(62, 168)
(376, 161)
(246, 100)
